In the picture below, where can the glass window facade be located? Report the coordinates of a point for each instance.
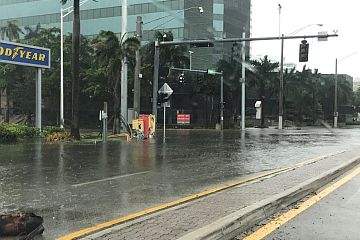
(9, 2)
(221, 18)
(137, 9)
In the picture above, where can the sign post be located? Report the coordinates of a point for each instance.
(165, 89)
(26, 55)
(214, 72)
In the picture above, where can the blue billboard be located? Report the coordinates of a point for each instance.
(20, 54)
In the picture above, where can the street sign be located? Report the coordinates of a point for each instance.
(323, 36)
(211, 72)
(165, 89)
(183, 119)
(22, 54)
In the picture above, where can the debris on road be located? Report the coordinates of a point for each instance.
(25, 225)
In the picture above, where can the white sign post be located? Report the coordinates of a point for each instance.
(165, 89)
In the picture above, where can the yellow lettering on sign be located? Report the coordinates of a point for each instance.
(28, 55)
(8, 52)
(22, 53)
(35, 57)
(42, 57)
(1, 51)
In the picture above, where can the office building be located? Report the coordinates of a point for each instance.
(221, 18)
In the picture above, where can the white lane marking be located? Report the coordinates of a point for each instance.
(108, 179)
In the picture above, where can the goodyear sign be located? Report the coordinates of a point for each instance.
(21, 54)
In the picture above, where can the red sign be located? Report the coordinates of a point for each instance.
(183, 119)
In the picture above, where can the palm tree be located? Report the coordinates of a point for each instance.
(232, 75)
(11, 31)
(109, 52)
(264, 79)
(303, 91)
(170, 56)
(32, 32)
(75, 129)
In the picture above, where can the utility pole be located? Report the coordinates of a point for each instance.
(156, 78)
(61, 68)
(124, 68)
(222, 101)
(336, 114)
(279, 5)
(243, 99)
(281, 89)
(137, 84)
(190, 59)
(38, 99)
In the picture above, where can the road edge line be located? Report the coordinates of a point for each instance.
(236, 223)
(279, 221)
(106, 225)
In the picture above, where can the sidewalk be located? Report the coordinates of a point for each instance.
(217, 214)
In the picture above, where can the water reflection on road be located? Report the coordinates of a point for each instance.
(78, 185)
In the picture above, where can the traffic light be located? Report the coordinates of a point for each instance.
(201, 45)
(181, 78)
(303, 51)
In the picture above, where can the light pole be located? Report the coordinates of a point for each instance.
(243, 81)
(336, 113)
(190, 59)
(201, 10)
(281, 88)
(302, 28)
(63, 13)
(279, 5)
(124, 67)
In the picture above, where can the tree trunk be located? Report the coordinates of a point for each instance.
(262, 99)
(0, 105)
(116, 96)
(7, 110)
(75, 131)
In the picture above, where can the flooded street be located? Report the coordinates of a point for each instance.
(79, 185)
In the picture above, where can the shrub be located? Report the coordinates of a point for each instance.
(57, 136)
(6, 136)
(53, 134)
(11, 132)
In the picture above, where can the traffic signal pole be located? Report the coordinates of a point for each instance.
(243, 99)
(281, 90)
(233, 40)
(156, 79)
(210, 42)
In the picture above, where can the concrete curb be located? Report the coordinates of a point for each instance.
(234, 224)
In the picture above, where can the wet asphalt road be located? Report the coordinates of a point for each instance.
(337, 216)
(79, 185)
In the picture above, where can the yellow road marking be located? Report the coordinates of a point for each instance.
(105, 225)
(279, 221)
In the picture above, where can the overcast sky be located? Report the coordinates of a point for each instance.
(343, 16)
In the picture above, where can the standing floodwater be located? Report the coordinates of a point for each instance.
(78, 185)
